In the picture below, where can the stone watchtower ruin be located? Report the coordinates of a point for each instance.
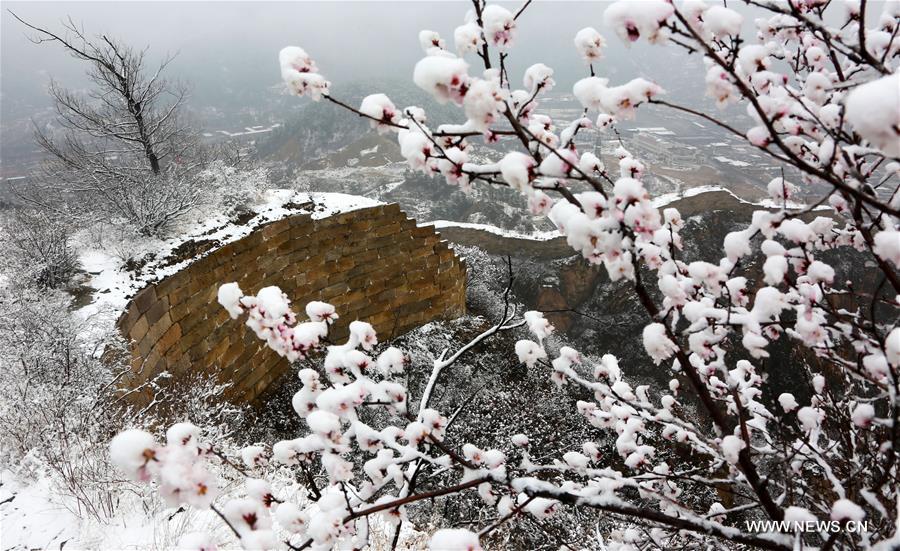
(374, 264)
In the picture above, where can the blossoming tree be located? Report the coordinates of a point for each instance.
(819, 82)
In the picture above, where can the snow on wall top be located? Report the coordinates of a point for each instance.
(114, 284)
(661, 201)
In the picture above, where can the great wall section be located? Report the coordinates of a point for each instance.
(373, 264)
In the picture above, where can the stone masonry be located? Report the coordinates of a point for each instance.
(372, 264)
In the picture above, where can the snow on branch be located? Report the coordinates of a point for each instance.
(818, 82)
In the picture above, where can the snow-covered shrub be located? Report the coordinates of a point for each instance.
(691, 463)
(56, 399)
(484, 279)
(153, 206)
(60, 401)
(38, 248)
(232, 189)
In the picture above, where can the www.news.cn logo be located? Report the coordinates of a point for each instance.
(813, 526)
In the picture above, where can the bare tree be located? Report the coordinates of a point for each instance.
(124, 146)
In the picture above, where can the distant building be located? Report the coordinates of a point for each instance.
(656, 149)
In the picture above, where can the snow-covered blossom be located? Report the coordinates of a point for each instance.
(721, 21)
(780, 190)
(737, 245)
(130, 451)
(589, 44)
(617, 101)
(538, 325)
(810, 418)
(530, 352)
(819, 272)
(539, 202)
(430, 39)
(362, 334)
(391, 361)
(887, 246)
(873, 110)
(892, 347)
(445, 78)
(816, 87)
(253, 456)
(416, 147)
(731, 448)
(862, 415)
(559, 165)
(261, 491)
(538, 75)
(818, 383)
(247, 515)
(269, 315)
(229, 297)
(542, 508)
(321, 311)
(576, 460)
(290, 517)
(657, 344)
(380, 108)
(759, 136)
(499, 26)
(753, 58)
(484, 103)
(185, 435)
(467, 37)
(300, 73)
(633, 20)
(788, 402)
(604, 120)
(177, 467)
(719, 86)
(775, 268)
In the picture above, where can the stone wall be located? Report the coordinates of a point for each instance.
(373, 264)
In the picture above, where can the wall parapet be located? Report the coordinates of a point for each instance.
(374, 264)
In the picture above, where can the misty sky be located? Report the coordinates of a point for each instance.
(227, 47)
(234, 45)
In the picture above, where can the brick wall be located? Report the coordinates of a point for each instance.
(373, 264)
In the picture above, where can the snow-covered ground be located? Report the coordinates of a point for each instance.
(731, 162)
(35, 516)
